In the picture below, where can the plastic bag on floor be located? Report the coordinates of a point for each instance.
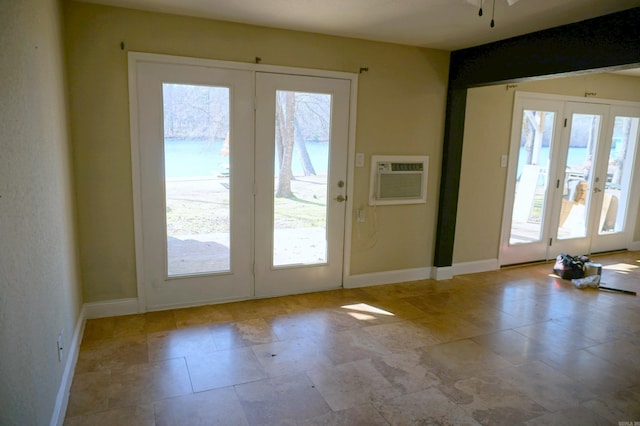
(592, 281)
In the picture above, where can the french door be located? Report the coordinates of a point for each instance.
(241, 182)
(571, 185)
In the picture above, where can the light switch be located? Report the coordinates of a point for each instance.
(503, 161)
(359, 159)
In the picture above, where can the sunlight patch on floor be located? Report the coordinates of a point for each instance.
(623, 268)
(365, 311)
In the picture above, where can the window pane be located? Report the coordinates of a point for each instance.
(196, 155)
(619, 171)
(576, 193)
(532, 177)
(302, 141)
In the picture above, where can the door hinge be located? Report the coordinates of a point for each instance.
(565, 122)
(550, 242)
(558, 184)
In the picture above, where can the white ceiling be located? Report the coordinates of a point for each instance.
(440, 24)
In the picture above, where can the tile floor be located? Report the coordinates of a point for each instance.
(515, 346)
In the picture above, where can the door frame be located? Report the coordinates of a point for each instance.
(135, 58)
(523, 97)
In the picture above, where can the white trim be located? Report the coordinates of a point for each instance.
(387, 277)
(62, 399)
(442, 273)
(136, 179)
(476, 266)
(135, 57)
(351, 156)
(112, 308)
(579, 99)
(634, 246)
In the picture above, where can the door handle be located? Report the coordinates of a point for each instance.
(340, 198)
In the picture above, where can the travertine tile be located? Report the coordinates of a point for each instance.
(180, 343)
(403, 335)
(351, 384)
(569, 417)
(144, 383)
(350, 345)
(427, 407)
(407, 371)
(202, 315)
(111, 353)
(281, 400)
(218, 407)
(224, 368)
(598, 375)
(139, 415)
(291, 356)
(242, 333)
(512, 346)
(493, 401)
(622, 405)
(362, 415)
(89, 393)
(463, 358)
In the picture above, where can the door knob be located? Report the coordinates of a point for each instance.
(340, 198)
(596, 189)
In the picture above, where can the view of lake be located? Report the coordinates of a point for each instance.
(190, 158)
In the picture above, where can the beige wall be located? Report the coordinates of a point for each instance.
(486, 138)
(401, 104)
(39, 289)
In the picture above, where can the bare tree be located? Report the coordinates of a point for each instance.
(285, 126)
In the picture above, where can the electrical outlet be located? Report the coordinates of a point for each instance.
(60, 345)
(360, 215)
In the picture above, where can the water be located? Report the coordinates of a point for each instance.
(188, 158)
(576, 156)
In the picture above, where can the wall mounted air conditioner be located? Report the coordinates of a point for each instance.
(398, 179)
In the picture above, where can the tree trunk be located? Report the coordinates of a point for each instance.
(288, 134)
(307, 165)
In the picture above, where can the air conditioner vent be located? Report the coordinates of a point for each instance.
(398, 179)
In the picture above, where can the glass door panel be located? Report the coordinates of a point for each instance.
(196, 169)
(619, 174)
(576, 194)
(530, 199)
(302, 141)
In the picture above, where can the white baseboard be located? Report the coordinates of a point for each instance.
(62, 399)
(442, 273)
(476, 266)
(387, 277)
(111, 308)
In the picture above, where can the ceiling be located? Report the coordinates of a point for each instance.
(439, 24)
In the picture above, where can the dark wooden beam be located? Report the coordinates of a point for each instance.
(604, 43)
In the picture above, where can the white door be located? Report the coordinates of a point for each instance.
(195, 141)
(571, 180)
(616, 204)
(574, 182)
(300, 205)
(209, 226)
(529, 199)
